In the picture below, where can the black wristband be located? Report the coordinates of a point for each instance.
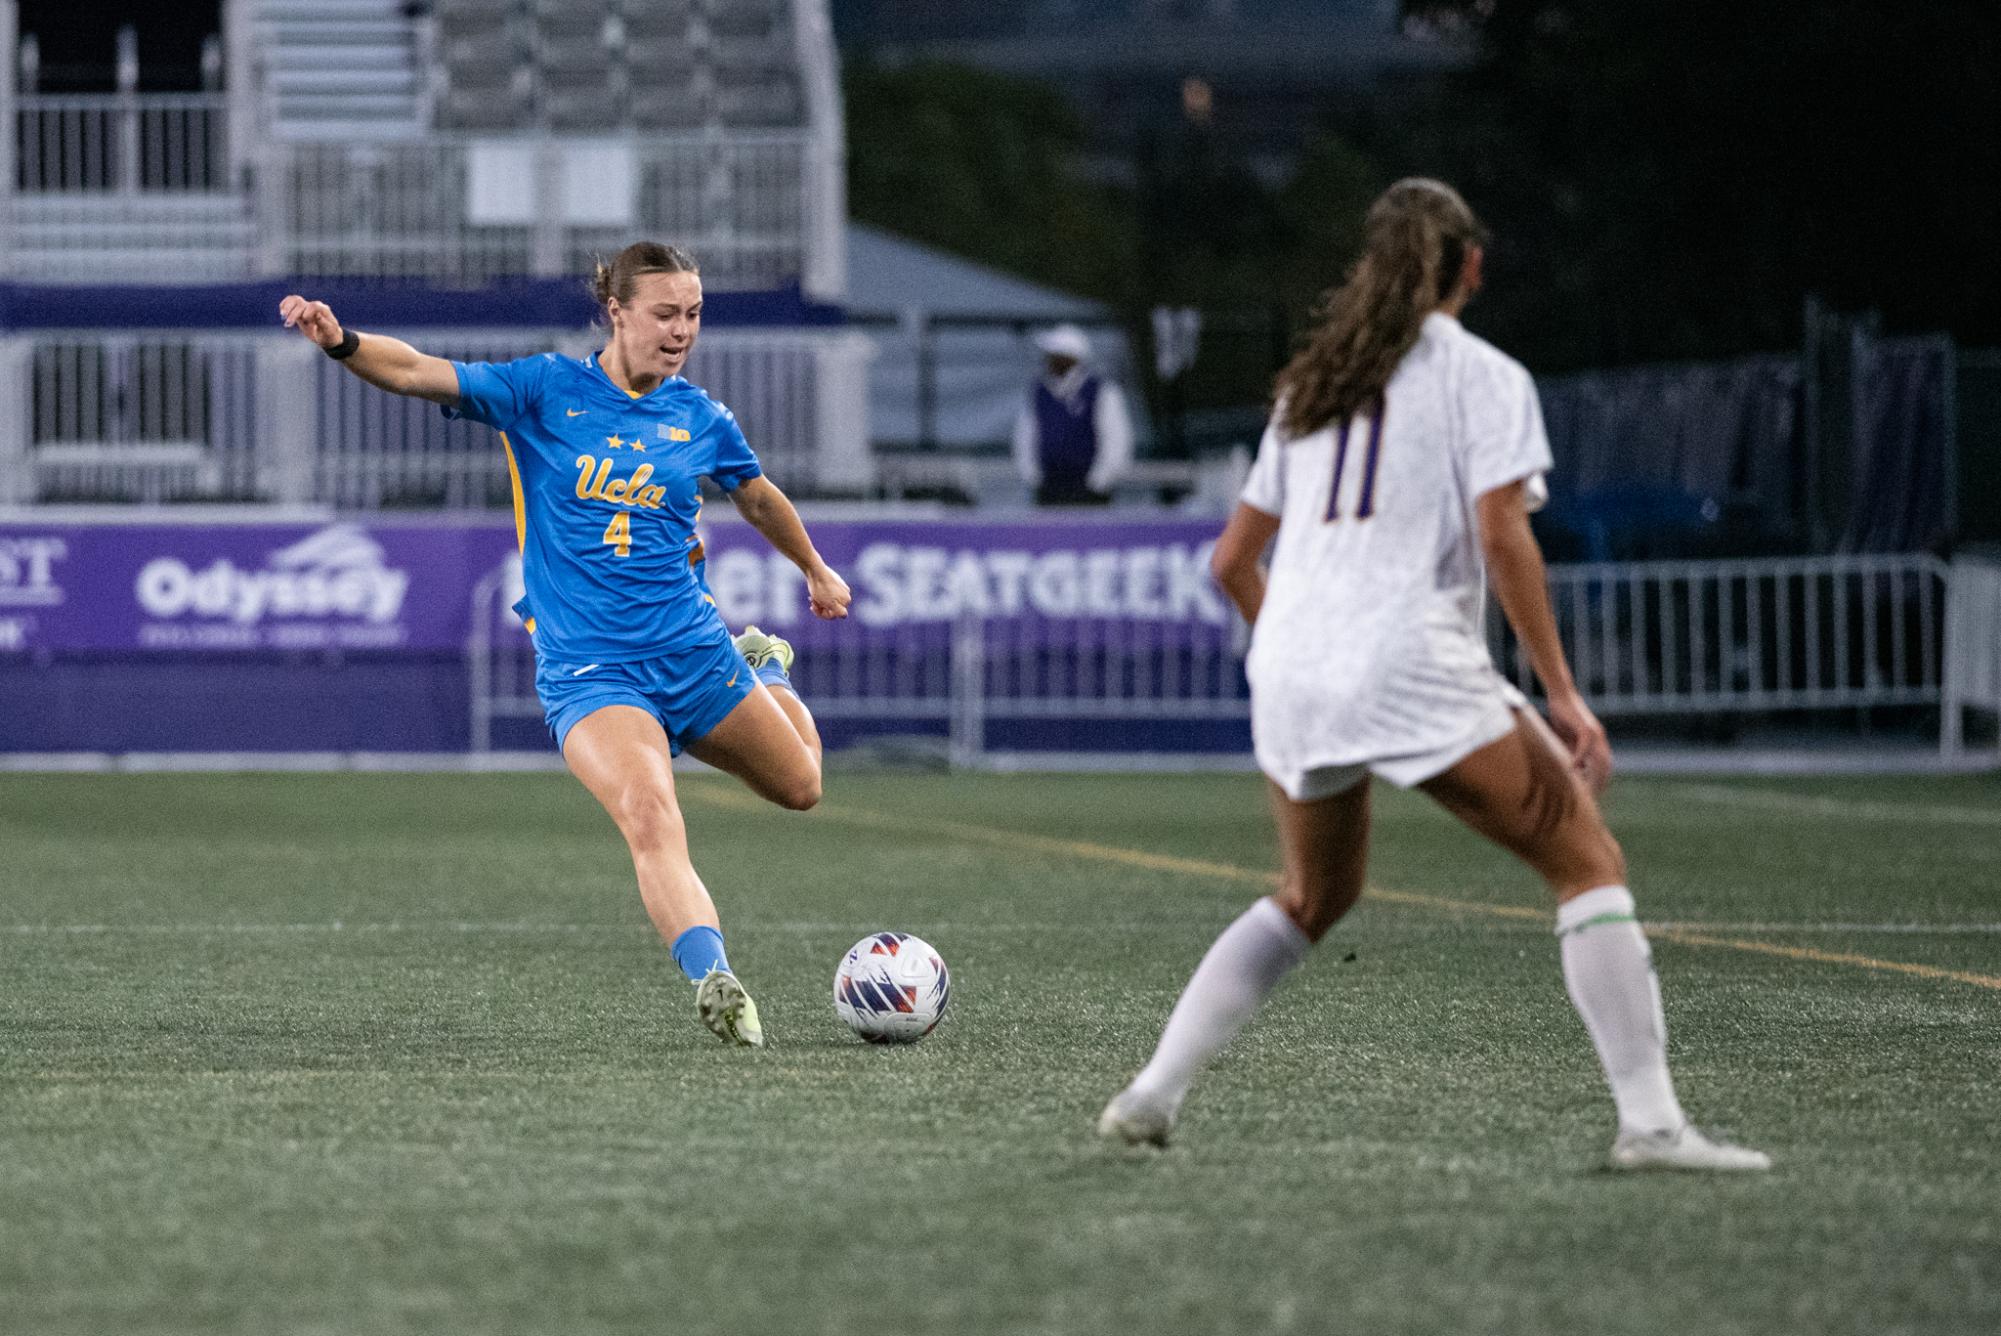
(349, 341)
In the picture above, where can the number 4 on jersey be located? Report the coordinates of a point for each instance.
(618, 534)
(1366, 506)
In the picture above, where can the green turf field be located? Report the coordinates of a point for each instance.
(384, 1054)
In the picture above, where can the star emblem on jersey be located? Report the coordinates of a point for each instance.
(638, 445)
(614, 441)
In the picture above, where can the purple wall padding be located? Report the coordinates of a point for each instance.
(250, 703)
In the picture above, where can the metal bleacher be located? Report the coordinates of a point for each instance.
(384, 138)
(603, 65)
(340, 69)
(453, 143)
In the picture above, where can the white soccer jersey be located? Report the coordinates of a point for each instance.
(1369, 647)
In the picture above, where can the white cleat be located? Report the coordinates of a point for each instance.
(727, 1010)
(1685, 1148)
(1137, 1119)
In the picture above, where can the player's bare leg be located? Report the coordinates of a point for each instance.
(1521, 792)
(761, 743)
(765, 763)
(801, 718)
(1325, 844)
(620, 754)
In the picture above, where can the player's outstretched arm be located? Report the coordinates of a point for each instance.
(1514, 563)
(770, 512)
(386, 363)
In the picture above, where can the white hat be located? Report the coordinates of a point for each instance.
(1064, 341)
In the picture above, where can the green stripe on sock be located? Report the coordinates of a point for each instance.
(1597, 919)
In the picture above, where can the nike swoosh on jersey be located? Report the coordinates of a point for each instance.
(579, 672)
(575, 412)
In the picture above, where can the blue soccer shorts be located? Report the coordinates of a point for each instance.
(689, 690)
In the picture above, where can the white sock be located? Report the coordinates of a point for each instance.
(1242, 967)
(1610, 974)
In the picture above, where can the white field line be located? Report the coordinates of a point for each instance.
(1844, 808)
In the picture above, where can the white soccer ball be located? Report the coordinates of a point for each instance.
(891, 988)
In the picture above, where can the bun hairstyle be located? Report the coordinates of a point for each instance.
(1416, 237)
(621, 276)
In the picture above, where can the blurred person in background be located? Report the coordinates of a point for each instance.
(1073, 439)
(633, 663)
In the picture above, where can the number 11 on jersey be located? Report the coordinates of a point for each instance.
(1366, 505)
(618, 534)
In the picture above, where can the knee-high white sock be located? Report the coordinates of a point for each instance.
(1242, 967)
(1610, 974)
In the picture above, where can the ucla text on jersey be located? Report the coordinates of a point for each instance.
(606, 495)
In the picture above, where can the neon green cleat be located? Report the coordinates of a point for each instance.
(759, 649)
(728, 1011)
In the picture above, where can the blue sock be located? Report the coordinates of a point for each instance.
(773, 674)
(699, 950)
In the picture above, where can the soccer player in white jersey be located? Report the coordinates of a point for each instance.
(1398, 473)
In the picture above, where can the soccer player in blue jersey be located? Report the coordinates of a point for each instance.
(633, 661)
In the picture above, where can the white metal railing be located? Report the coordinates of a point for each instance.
(1723, 637)
(121, 143)
(1805, 633)
(1972, 647)
(500, 678)
(378, 450)
(117, 416)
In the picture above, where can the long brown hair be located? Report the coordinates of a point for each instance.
(1415, 241)
(620, 276)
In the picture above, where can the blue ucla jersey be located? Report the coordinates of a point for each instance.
(606, 495)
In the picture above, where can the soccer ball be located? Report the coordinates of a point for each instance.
(891, 988)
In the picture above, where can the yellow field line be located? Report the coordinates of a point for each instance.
(1683, 937)
(1090, 851)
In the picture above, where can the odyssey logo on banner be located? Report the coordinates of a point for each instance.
(333, 589)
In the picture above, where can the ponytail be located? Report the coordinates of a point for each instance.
(1417, 236)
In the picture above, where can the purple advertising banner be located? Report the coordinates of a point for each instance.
(351, 585)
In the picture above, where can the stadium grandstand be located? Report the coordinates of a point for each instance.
(366, 146)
